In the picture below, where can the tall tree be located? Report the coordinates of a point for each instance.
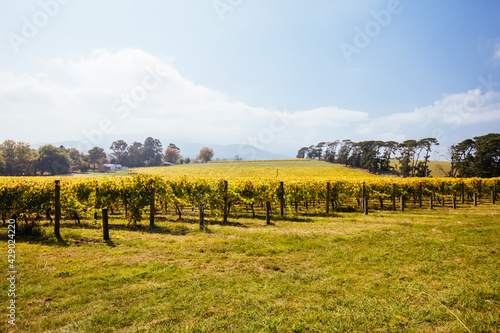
(311, 152)
(487, 156)
(78, 160)
(407, 157)
(152, 152)
(119, 149)
(389, 149)
(18, 158)
(96, 154)
(8, 151)
(478, 157)
(354, 159)
(345, 151)
(318, 150)
(134, 152)
(463, 157)
(54, 160)
(26, 158)
(331, 151)
(426, 146)
(302, 152)
(206, 154)
(2, 165)
(172, 155)
(371, 155)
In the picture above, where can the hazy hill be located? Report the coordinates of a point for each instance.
(188, 149)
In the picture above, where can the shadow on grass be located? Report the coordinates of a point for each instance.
(228, 223)
(274, 219)
(208, 221)
(34, 233)
(157, 229)
(43, 239)
(293, 218)
(42, 233)
(40, 236)
(296, 219)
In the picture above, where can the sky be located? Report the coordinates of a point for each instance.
(274, 74)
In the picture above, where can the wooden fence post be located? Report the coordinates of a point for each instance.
(454, 201)
(57, 207)
(442, 193)
(96, 201)
(480, 194)
(268, 213)
(393, 196)
(282, 199)
(494, 192)
(105, 228)
(152, 206)
(462, 192)
(420, 195)
(363, 194)
(365, 205)
(327, 197)
(202, 217)
(402, 200)
(225, 202)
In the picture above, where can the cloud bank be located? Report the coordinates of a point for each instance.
(131, 91)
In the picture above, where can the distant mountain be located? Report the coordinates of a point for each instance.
(188, 149)
(229, 152)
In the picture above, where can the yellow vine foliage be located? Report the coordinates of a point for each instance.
(193, 185)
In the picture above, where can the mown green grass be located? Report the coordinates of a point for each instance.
(416, 271)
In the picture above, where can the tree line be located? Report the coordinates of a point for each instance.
(19, 159)
(478, 157)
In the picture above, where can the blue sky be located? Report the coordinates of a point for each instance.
(278, 74)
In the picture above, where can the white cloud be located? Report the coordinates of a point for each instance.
(453, 110)
(131, 91)
(134, 91)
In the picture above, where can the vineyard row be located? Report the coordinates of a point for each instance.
(82, 198)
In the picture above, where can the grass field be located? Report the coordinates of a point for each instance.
(417, 271)
(273, 169)
(437, 168)
(304, 169)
